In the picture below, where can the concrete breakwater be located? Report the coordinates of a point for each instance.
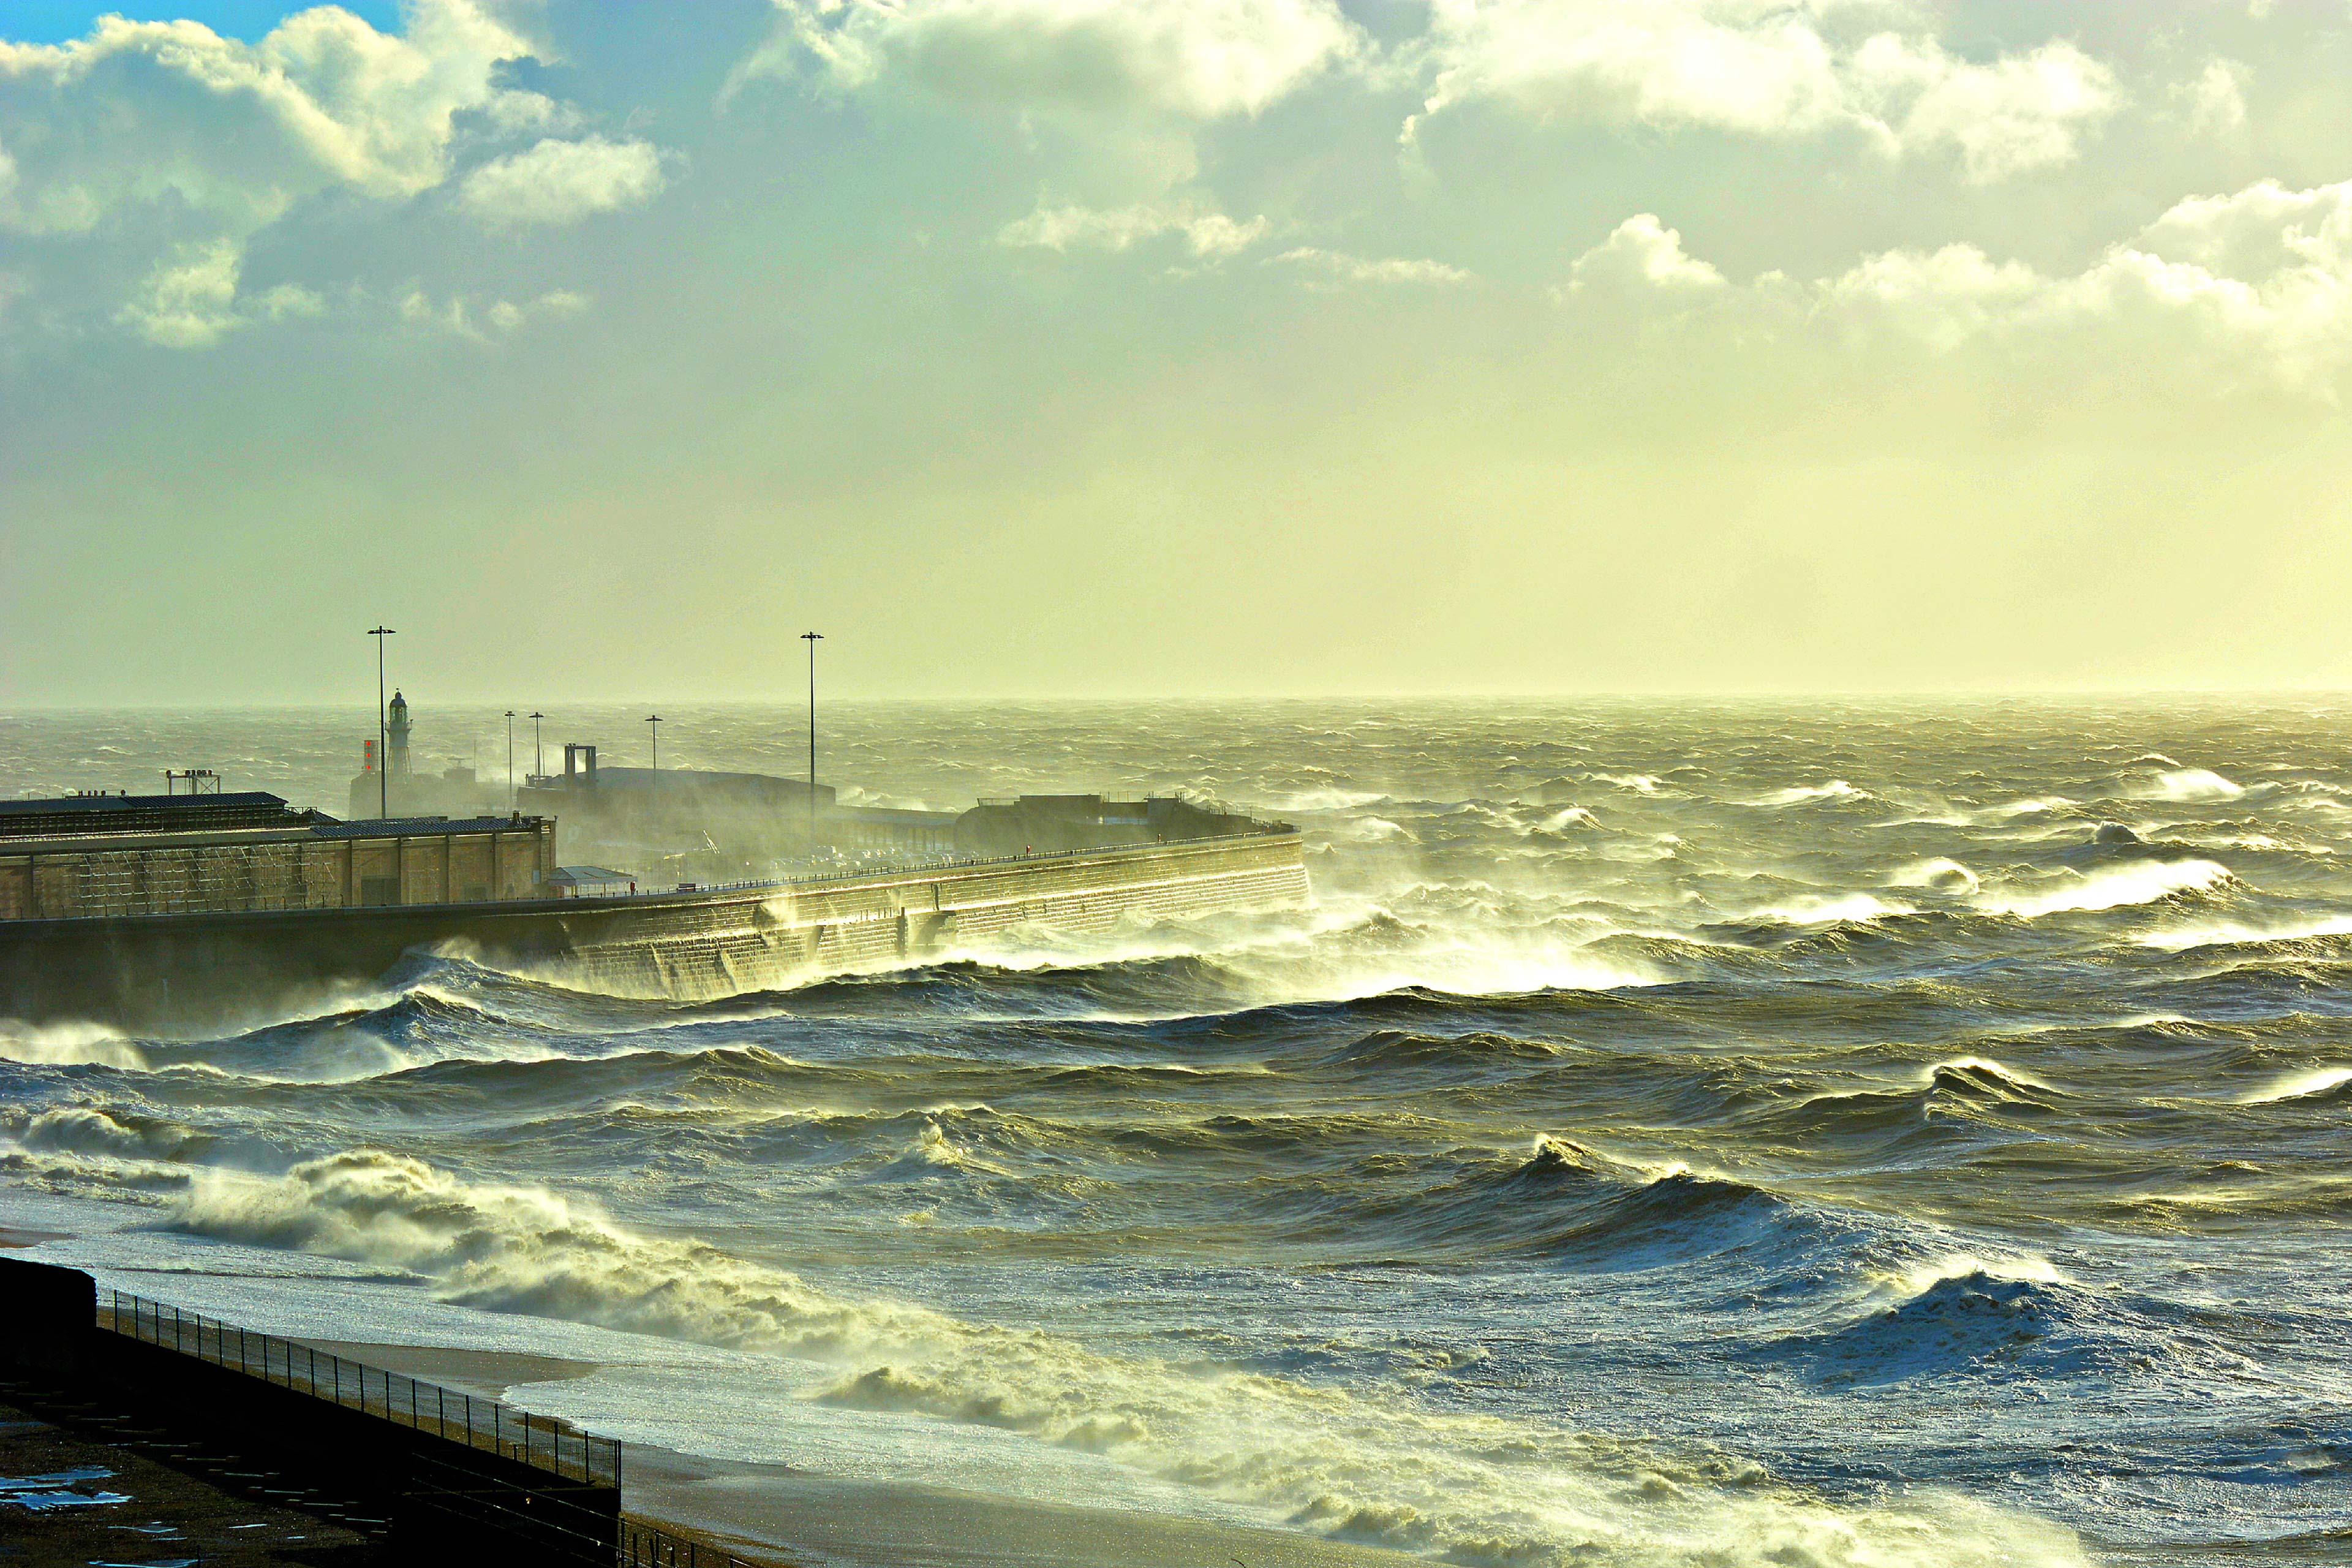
(179, 970)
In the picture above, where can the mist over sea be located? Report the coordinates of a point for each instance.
(1680, 1133)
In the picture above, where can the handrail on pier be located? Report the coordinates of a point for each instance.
(476, 1421)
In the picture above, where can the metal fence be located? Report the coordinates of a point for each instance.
(922, 863)
(645, 1545)
(476, 1421)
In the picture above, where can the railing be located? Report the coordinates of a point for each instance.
(477, 1422)
(951, 863)
(647, 1545)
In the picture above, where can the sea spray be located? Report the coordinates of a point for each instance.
(1472, 1488)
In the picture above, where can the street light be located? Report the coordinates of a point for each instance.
(383, 751)
(811, 638)
(655, 721)
(538, 758)
(511, 789)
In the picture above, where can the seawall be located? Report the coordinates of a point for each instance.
(194, 971)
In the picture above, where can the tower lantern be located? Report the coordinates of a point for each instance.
(397, 750)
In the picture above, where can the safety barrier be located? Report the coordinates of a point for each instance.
(476, 1421)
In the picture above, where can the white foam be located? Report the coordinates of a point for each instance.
(1327, 798)
(2141, 882)
(2023, 1268)
(2033, 805)
(1796, 795)
(1939, 875)
(921, 1391)
(68, 1044)
(2295, 1086)
(2190, 783)
(1999, 1069)
(2224, 933)
(1832, 909)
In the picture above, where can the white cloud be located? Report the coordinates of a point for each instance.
(1642, 253)
(2021, 113)
(2265, 227)
(1756, 69)
(1194, 59)
(2254, 289)
(459, 317)
(563, 182)
(1205, 234)
(418, 309)
(2217, 99)
(175, 143)
(1364, 269)
(285, 301)
(190, 301)
(1940, 298)
(148, 111)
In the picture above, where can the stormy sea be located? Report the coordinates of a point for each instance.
(1723, 1133)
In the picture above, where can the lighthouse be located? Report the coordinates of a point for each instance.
(396, 743)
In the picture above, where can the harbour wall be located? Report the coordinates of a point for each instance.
(168, 973)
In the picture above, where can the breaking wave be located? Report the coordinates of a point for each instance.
(2144, 882)
(1480, 1488)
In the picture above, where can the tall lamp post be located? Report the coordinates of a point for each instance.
(811, 638)
(655, 721)
(538, 758)
(383, 752)
(511, 789)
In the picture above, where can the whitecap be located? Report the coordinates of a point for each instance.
(2179, 939)
(68, 1044)
(2020, 1269)
(1938, 874)
(2190, 783)
(1832, 909)
(1797, 795)
(2296, 1086)
(1458, 1484)
(2142, 882)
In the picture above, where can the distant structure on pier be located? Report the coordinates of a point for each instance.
(403, 791)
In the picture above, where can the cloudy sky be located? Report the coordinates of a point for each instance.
(1173, 346)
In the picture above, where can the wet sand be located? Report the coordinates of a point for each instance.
(13, 1238)
(772, 1513)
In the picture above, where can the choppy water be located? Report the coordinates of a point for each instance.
(1695, 1134)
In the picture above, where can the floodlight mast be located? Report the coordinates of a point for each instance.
(383, 748)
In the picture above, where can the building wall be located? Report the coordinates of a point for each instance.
(286, 874)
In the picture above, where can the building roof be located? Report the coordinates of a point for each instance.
(609, 777)
(586, 876)
(894, 816)
(423, 827)
(65, 815)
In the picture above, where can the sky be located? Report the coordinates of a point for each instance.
(1172, 347)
